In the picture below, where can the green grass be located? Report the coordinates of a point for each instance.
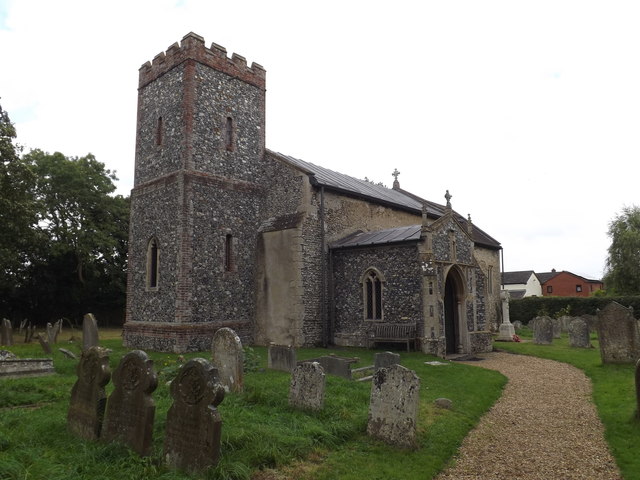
(262, 436)
(613, 394)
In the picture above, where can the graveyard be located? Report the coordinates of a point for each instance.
(265, 435)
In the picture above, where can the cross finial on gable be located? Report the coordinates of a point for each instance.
(448, 196)
(396, 184)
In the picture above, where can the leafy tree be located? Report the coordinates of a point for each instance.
(622, 275)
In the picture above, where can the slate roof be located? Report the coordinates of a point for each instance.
(546, 276)
(339, 182)
(511, 278)
(390, 235)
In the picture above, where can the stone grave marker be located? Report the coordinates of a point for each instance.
(393, 408)
(332, 365)
(193, 430)
(44, 343)
(385, 359)
(68, 353)
(228, 358)
(6, 333)
(53, 331)
(543, 331)
(517, 325)
(281, 357)
(579, 333)
(89, 331)
(307, 387)
(88, 397)
(30, 330)
(618, 334)
(565, 321)
(557, 327)
(130, 407)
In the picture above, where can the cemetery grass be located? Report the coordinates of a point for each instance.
(263, 438)
(613, 394)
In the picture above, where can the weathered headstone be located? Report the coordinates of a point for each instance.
(543, 331)
(23, 324)
(51, 333)
(340, 367)
(88, 397)
(30, 330)
(565, 321)
(385, 359)
(393, 408)
(44, 343)
(307, 386)
(618, 334)
(579, 333)
(193, 430)
(557, 327)
(517, 325)
(228, 358)
(89, 331)
(281, 357)
(68, 353)
(130, 407)
(6, 333)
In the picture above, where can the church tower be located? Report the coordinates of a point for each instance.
(196, 204)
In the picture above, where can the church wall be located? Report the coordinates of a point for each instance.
(402, 290)
(490, 258)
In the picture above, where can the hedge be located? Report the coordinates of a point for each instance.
(526, 309)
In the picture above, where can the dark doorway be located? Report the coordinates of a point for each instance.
(451, 315)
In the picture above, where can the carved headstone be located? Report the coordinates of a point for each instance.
(193, 430)
(618, 334)
(543, 331)
(6, 333)
(307, 386)
(89, 331)
(88, 397)
(228, 358)
(385, 359)
(44, 343)
(557, 327)
(565, 321)
(281, 357)
(130, 408)
(393, 408)
(579, 333)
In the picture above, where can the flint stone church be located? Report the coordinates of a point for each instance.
(226, 233)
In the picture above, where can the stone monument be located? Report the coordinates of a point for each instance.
(228, 358)
(579, 335)
(89, 331)
(507, 331)
(618, 334)
(543, 331)
(307, 386)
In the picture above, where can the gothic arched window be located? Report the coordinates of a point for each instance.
(372, 294)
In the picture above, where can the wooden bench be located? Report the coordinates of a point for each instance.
(394, 333)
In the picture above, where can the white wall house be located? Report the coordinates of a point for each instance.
(521, 284)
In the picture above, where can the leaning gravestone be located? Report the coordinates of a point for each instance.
(193, 430)
(29, 332)
(281, 357)
(332, 365)
(89, 331)
(6, 333)
(385, 359)
(579, 333)
(543, 331)
(393, 408)
(44, 343)
(130, 408)
(88, 397)
(618, 334)
(228, 358)
(307, 387)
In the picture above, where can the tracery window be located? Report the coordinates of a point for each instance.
(372, 293)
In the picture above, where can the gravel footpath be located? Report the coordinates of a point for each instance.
(544, 426)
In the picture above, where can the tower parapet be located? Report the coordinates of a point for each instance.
(193, 47)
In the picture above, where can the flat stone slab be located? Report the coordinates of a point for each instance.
(26, 367)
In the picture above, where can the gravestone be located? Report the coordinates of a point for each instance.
(618, 334)
(532, 323)
(307, 387)
(385, 359)
(29, 332)
(193, 430)
(506, 330)
(228, 358)
(393, 408)
(579, 333)
(565, 321)
(130, 408)
(557, 327)
(88, 397)
(89, 331)
(281, 357)
(68, 353)
(6, 333)
(543, 331)
(44, 343)
(53, 331)
(517, 324)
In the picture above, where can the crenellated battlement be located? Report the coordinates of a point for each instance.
(192, 47)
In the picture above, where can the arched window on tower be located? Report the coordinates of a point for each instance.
(372, 283)
(153, 263)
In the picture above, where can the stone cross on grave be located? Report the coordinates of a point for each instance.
(396, 184)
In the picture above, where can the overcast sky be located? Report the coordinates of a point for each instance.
(528, 112)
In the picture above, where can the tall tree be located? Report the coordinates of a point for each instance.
(623, 263)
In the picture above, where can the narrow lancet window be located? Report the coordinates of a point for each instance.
(372, 295)
(228, 253)
(153, 263)
(228, 134)
(159, 132)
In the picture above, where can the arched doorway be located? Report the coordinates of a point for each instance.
(452, 295)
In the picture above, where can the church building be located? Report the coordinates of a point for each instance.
(226, 233)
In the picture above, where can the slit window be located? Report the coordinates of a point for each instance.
(228, 134)
(153, 254)
(159, 131)
(228, 253)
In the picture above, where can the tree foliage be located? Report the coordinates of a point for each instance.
(64, 239)
(622, 274)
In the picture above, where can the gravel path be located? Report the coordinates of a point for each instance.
(544, 426)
